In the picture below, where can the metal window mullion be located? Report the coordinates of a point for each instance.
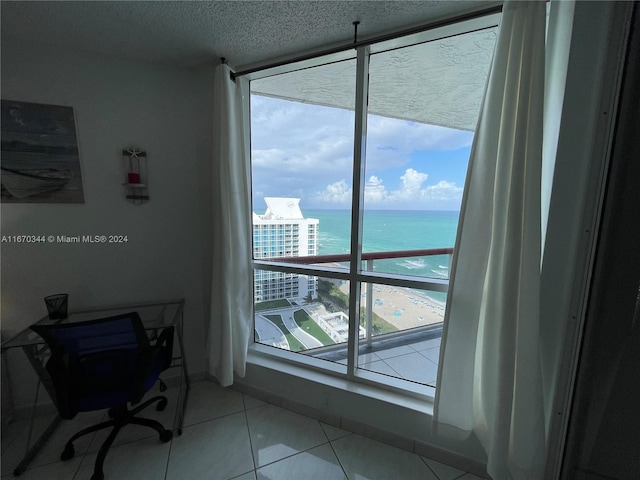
(357, 203)
(369, 308)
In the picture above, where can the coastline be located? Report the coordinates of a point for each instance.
(403, 307)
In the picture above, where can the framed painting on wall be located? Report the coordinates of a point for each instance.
(39, 161)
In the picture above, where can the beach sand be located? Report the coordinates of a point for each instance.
(402, 307)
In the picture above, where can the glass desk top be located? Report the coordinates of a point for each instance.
(154, 315)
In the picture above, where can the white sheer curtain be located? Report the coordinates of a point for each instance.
(231, 322)
(489, 379)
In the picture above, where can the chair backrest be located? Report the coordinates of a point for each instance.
(97, 364)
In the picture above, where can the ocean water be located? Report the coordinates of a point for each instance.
(389, 230)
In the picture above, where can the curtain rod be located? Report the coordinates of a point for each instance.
(381, 38)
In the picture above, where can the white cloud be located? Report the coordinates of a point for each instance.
(338, 193)
(412, 181)
(411, 195)
(408, 135)
(444, 191)
(294, 137)
(390, 141)
(297, 148)
(374, 190)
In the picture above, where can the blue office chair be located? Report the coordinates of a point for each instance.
(106, 363)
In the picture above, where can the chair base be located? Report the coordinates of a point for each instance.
(121, 417)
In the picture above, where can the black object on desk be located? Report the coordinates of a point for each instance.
(106, 363)
(57, 305)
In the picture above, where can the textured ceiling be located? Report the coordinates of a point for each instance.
(194, 33)
(440, 82)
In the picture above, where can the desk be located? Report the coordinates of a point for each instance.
(155, 316)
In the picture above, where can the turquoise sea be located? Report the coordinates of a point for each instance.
(389, 230)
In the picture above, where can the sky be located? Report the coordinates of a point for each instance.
(305, 151)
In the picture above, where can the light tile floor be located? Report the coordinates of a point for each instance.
(227, 435)
(417, 362)
(408, 359)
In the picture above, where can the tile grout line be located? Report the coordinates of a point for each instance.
(173, 424)
(337, 457)
(166, 468)
(246, 422)
(212, 419)
(397, 373)
(423, 355)
(424, 459)
(301, 451)
(428, 466)
(333, 449)
(75, 474)
(298, 453)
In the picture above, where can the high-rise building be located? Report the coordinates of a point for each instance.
(283, 232)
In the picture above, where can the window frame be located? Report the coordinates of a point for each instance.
(355, 274)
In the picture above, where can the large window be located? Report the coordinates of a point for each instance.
(358, 166)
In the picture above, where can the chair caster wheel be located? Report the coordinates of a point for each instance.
(162, 404)
(68, 453)
(166, 436)
(97, 476)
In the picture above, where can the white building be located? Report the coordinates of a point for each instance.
(283, 232)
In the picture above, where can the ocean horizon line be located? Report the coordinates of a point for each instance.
(377, 210)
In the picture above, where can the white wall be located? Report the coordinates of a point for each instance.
(117, 104)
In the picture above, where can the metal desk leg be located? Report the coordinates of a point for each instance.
(33, 451)
(184, 375)
(43, 379)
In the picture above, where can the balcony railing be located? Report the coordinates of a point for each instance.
(369, 258)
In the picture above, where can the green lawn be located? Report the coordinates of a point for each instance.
(294, 343)
(380, 325)
(311, 327)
